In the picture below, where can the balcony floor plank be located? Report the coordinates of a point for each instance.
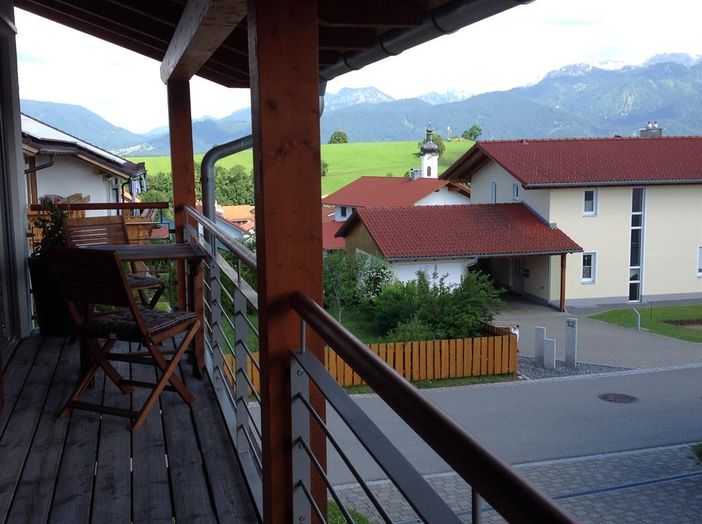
(91, 468)
(15, 374)
(151, 490)
(32, 502)
(21, 426)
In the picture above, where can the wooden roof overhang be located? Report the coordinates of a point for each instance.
(209, 37)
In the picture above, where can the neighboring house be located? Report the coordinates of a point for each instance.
(57, 163)
(241, 219)
(452, 239)
(421, 188)
(633, 204)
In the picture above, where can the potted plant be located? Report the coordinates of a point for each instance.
(52, 314)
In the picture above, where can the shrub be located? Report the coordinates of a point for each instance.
(413, 329)
(449, 311)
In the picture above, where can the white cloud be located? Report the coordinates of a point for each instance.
(507, 50)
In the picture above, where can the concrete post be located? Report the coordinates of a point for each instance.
(571, 348)
(539, 338)
(549, 355)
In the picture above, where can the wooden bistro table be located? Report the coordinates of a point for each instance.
(192, 255)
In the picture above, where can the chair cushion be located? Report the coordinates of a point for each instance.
(121, 325)
(139, 281)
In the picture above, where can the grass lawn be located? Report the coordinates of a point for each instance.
(654, 320)
(360, 324)
(347, 162)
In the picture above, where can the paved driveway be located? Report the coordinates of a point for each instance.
(598, 342)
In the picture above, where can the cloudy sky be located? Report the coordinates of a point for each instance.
(511, 49)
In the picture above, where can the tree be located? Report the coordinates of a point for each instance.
(233, 186)
(324, 168)
(340, 277)
(472, 133)
(339, 137)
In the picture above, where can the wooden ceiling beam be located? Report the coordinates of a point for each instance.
(111, 17)
(370, 13)
(345, 38)
(78, 21)
(203, 27)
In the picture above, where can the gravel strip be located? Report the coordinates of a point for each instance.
(528, 370)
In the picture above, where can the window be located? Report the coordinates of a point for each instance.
(636, 244)
(343, 211)
(515, 192)
(699, 261)
(493, 192)
(428, 171)
(590, 202)
(589, 266)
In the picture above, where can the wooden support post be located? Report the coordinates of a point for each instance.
(182, 167)
(563, 281)
(283, 61)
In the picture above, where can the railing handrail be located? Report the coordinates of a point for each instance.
(497, 482)
(243, 253)
(98, 206)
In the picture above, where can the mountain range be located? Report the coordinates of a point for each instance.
(578, 100)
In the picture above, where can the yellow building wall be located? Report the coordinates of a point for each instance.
(672, 235)
(607, 234)
(481, 189)
(537, 283)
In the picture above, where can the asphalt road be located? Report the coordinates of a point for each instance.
(542, 420)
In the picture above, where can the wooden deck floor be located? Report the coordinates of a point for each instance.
(87, 468)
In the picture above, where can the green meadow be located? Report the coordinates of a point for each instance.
(347, 162)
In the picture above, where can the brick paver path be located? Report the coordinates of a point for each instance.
(660, 485)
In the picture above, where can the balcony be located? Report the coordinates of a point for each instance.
(208, 462)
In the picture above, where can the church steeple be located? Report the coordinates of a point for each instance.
(430, 156)
(429, 147)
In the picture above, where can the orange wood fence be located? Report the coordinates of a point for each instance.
(427, 359)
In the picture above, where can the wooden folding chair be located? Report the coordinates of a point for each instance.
(91, 277)
(92, 231)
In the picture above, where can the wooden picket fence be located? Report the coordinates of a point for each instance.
(495, 354)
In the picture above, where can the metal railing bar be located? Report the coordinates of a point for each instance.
(251, 387)
(420, 495)
(252, 423)
(506, 490)
(313, 503)
(239, 250)
(249, 353)
(232, 400)
(251, 325)
(253, 447)
(231, 273)
(325, 478)
(357, 475)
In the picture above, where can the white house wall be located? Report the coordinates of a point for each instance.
(481, 190)
(443, 197)
(453, 270)
(70, 175)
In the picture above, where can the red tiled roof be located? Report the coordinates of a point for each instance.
(588, 161)
(327, 214)
(453, 231)
(374, 191)
(330, 241)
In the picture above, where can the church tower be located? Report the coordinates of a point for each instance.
(430, 156)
